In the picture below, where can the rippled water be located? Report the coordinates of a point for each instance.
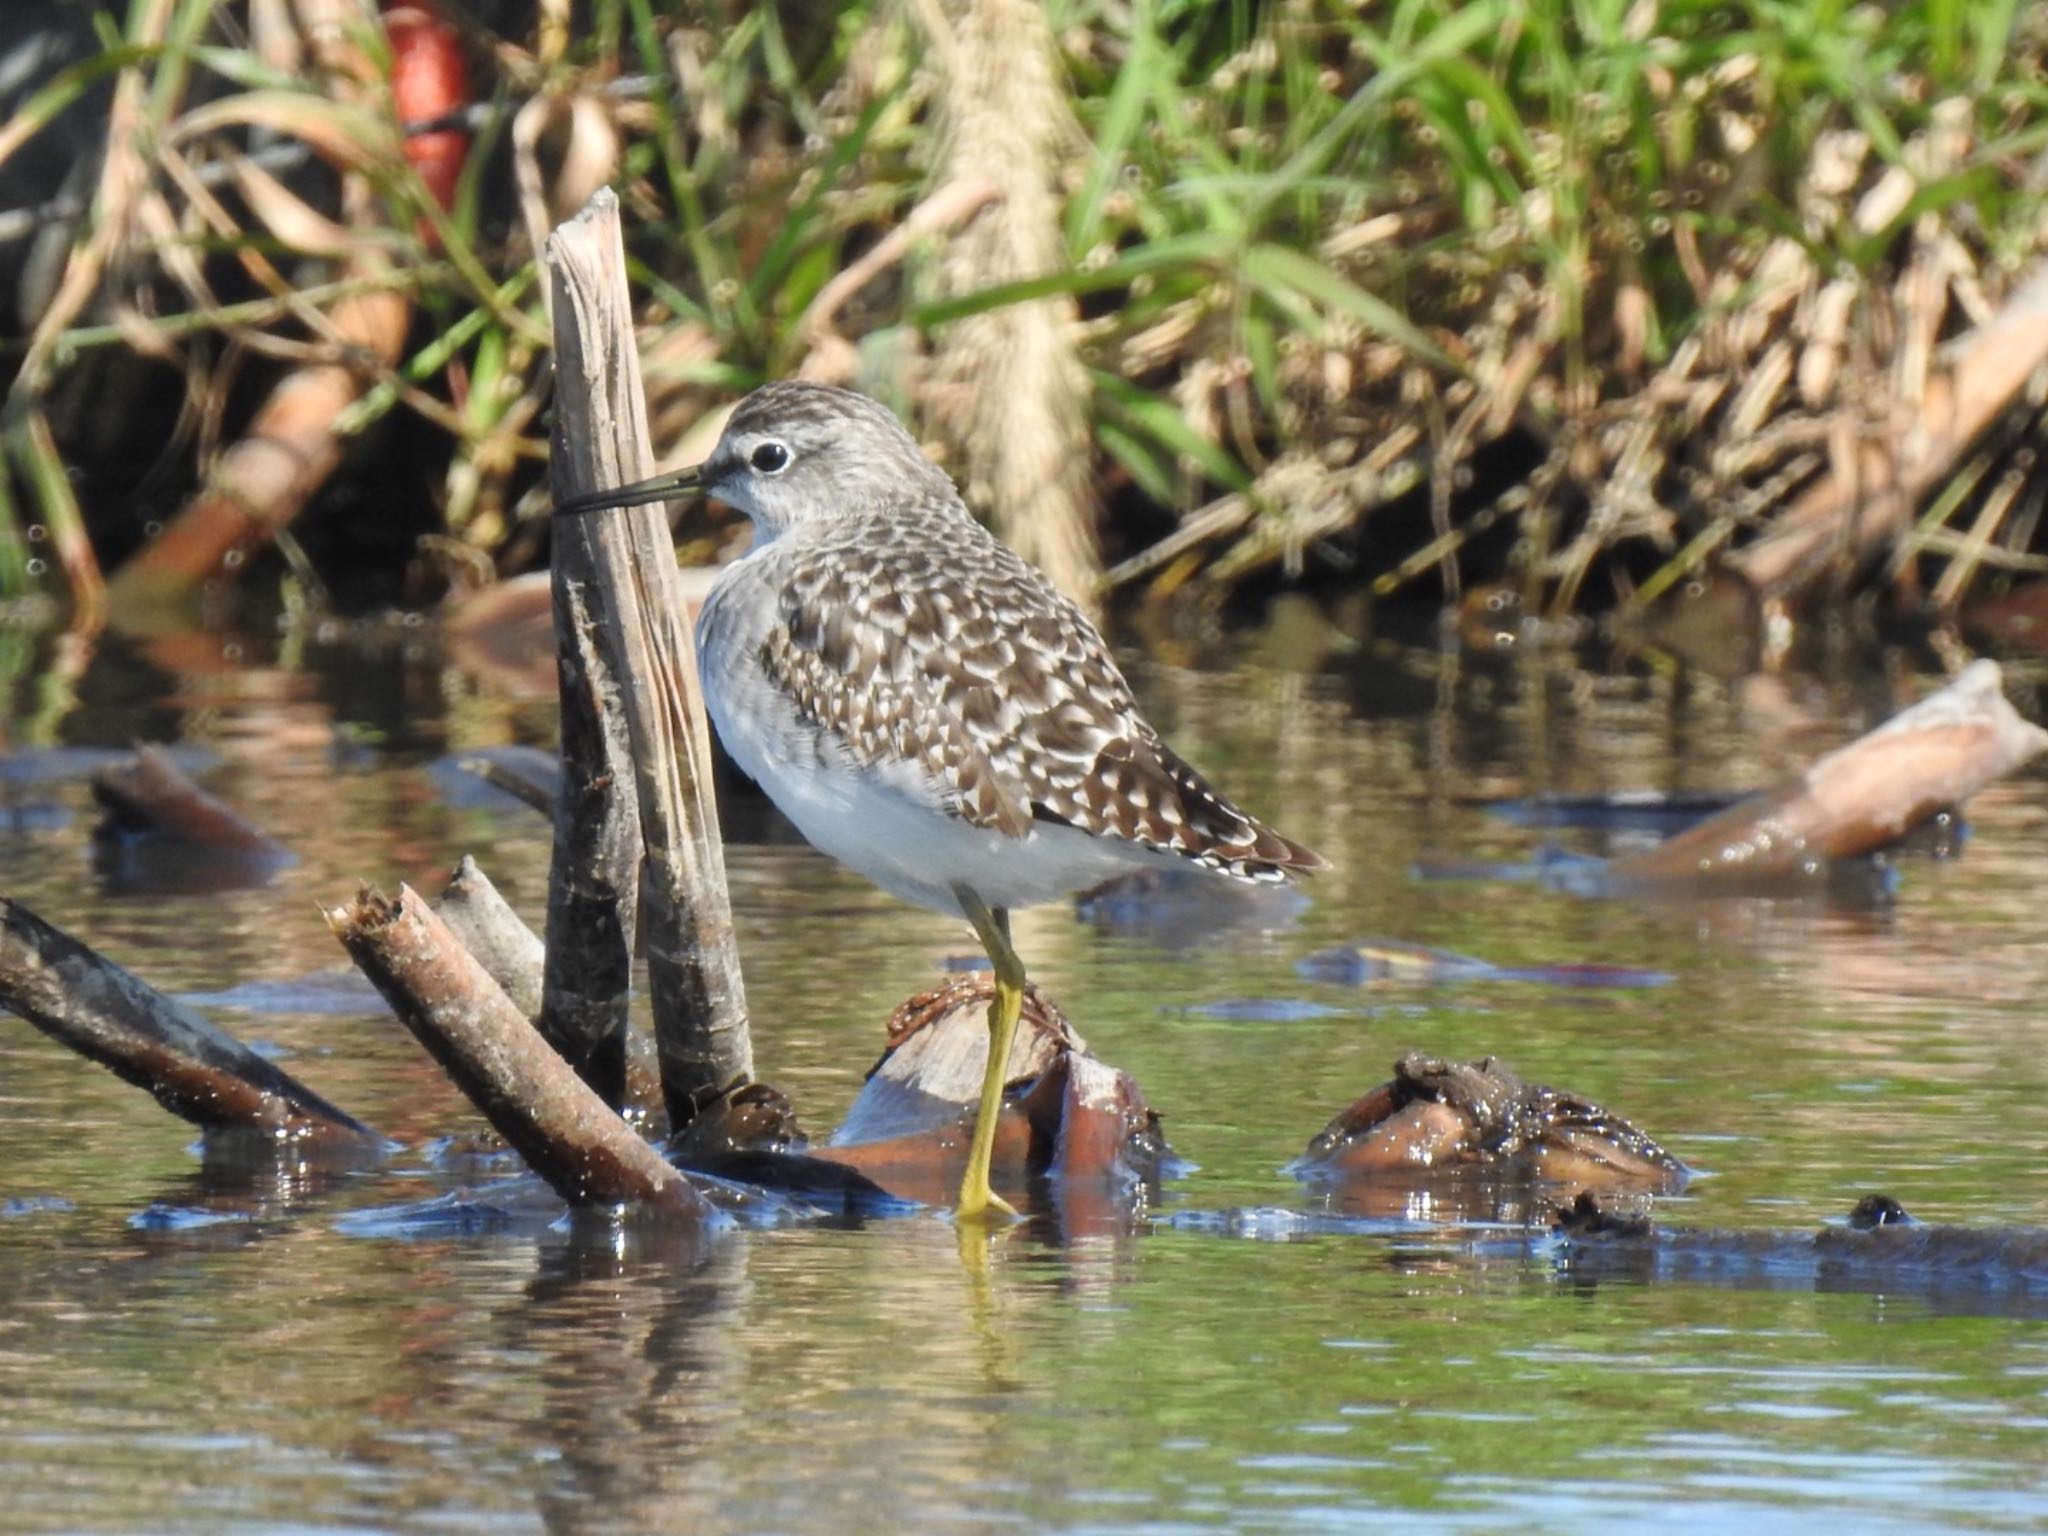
(276, 1371)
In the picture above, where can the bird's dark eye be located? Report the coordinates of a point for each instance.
(770, 458)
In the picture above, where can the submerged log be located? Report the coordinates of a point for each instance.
(1436, 1116)
(149, 795)
(566, 1133)
(1879, 1246)
(522, 774)
(1854, 801)
(195, 1069)
(1364, 962)
(936, 1054)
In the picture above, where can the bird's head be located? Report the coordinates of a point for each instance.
(794, 453)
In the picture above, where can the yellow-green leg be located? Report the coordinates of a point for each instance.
(977, 1198)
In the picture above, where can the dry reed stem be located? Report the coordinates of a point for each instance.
(829, 357)
(66, 522)
(263, 480)
(123, 179)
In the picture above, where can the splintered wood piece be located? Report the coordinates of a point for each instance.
(566, 1133)
(937, 1054)
(195, 1069)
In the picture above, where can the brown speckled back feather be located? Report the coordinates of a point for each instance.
(955, 654)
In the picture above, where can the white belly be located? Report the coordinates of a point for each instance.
(885, 823)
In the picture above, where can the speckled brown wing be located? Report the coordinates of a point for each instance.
(956, 655)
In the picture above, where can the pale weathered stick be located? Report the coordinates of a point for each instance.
(566, 1133)
(499, 938)
(193, 1068)
(693, 968)
(1857, 799)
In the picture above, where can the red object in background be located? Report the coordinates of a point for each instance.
(428, 81)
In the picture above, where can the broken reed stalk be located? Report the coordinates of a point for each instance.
(594, 870)
(193, 1068)
(556, 1121)
(624, 554)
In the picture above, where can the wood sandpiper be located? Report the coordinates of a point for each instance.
(923, 704)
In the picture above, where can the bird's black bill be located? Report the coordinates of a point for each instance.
(684, 482)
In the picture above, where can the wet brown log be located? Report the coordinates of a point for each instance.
(485, 925)
(193, 1068)
(624, 555)
(1434, 1116)
(566, 1133)
(1100, 1140)
(1869, 499)
(1869, 794)
(1106, 1134)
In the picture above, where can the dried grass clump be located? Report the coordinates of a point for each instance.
(1711, 292)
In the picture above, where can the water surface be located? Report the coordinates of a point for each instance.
(279, 1371)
